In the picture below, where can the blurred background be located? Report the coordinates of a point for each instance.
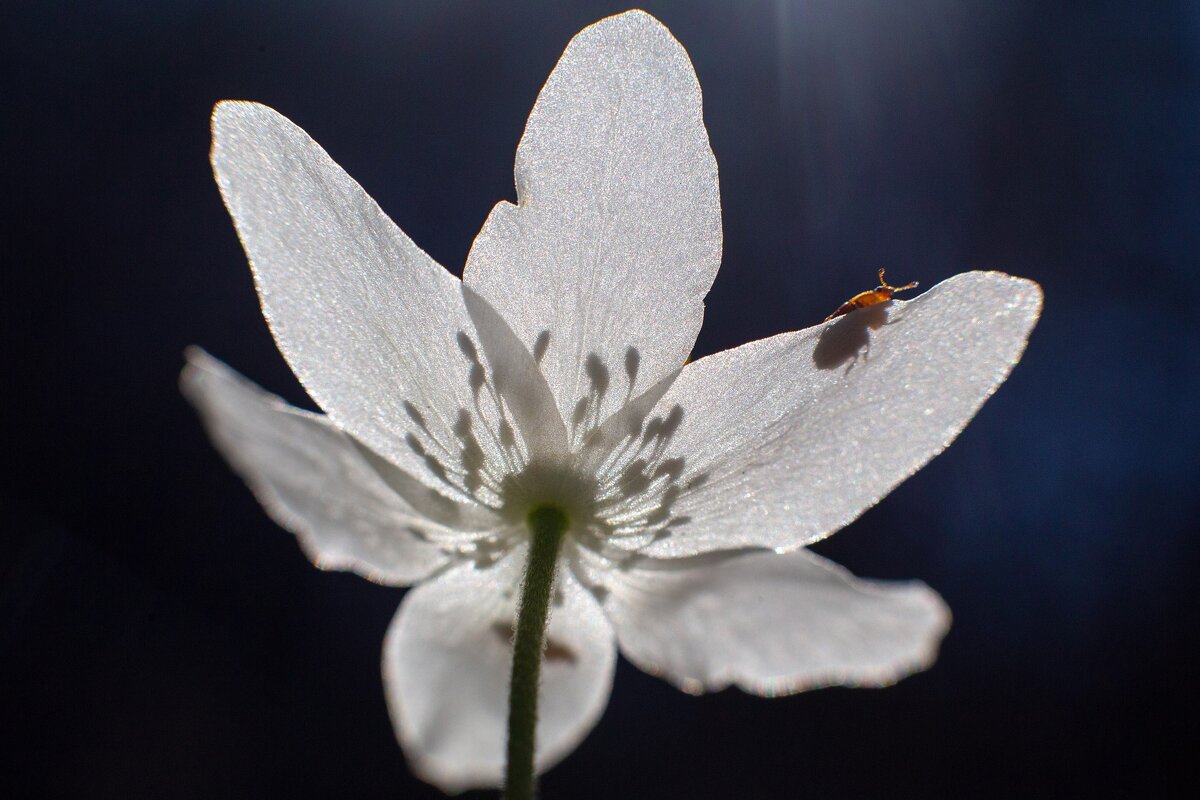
(159, 636)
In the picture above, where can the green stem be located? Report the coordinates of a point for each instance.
(547, 524)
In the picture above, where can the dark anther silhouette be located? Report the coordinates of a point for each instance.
(597, 373)
(633, 360)
(468, 347)
(540, 345)
(580, 412)
(415, 415)
(476, 378)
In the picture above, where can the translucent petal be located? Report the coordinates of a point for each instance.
(315, 481)
(518, 379)
(602, 266)
(378, 332)
(785, 440)
(770, 623)
(446, 665)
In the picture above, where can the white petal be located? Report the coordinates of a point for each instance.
(378, 333)
(314, 480)
(785, 440)
(770, 623)
(518, 379)
(446, 665)
(616, 236)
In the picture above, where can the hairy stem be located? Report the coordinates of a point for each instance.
(547, 524)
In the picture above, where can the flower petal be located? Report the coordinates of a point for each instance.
(446, 665)
(314, 480)
(785, 440)
(771, 623)
(376, 330)
(603, 264)
(518, 379)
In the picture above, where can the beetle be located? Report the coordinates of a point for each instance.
(880, 294)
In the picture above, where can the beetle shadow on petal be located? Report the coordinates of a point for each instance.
(849, 337)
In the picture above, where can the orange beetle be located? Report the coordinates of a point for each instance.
(880, 294)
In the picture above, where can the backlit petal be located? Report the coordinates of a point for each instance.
(602, 266)
(783, 441)
(378, 333)
(446, 665)
(315, 481)
(771, 623)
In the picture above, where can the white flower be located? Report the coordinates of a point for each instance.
(554, 373)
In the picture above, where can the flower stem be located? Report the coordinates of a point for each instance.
(547, 524)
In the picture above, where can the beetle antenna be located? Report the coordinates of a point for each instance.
(885, 285)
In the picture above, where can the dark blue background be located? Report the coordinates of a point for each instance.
(160, 637)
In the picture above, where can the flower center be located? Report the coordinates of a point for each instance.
(541, 488)
(615, 480)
